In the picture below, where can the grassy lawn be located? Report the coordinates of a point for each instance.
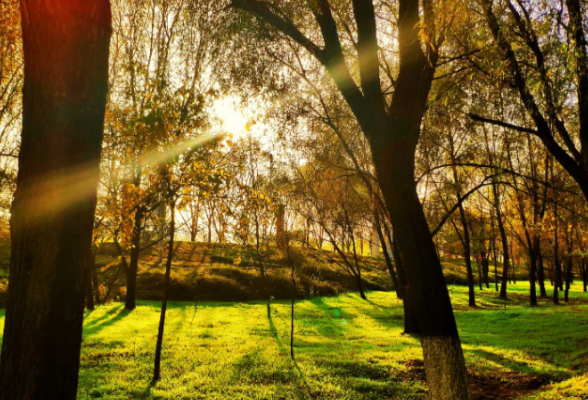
(346, 348)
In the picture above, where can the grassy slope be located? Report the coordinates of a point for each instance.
(213, 273)
(229, 273)
(346, 348)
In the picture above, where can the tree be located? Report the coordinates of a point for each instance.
(66, 48)
(526, 43)
(393, 130)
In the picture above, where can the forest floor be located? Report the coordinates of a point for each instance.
(345, 348)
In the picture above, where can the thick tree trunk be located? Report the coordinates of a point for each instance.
(444, 362)
(131, 300)
(168, 264)
(64, 97)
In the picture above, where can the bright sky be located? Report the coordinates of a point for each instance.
(231, 116)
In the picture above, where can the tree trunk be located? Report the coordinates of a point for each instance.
(94, 277)
(360, 288)
(568, 276)
(292, 330)
(541, 274)
(495, 256)
(168, 264)
(161, 219)
(387, 258)
(486, 269)
(533, 277)
(584, 275)
(410, 322)
(444, 362)
(467, 255)
(130, 302)
(89, 286)
(503, 238)
(556, 260)
(52, 216)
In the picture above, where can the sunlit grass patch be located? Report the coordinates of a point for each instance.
(345, 348)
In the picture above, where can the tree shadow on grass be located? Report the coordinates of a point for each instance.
(286, 353)
(109, 318)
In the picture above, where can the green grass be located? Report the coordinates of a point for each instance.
(346, 348)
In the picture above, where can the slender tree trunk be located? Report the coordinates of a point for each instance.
(533, 278)
(486, 269)
(495, 264)
(514, 265)
(292, 330)
(161, 246)
(94, 277)
(503, 238)
(467, 255)
(52, 217)
(556, 260)
(131, 300)
(381, 237)
(585, 275)
(541, 273)
(568, 275)
(168, 264)
(89, 285)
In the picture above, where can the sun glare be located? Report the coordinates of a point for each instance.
(231, 117)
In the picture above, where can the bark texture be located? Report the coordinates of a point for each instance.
(66, 45)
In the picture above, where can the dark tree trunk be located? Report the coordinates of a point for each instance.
(541, 274)
(387, 258)
(52, 216)
(467, 255)
(503, 238)
(410, 322)
(292, 330)
(569, 264)
(533, 278)
(495, 264)
(584, 275)
(360, 289)
(89, 286)
(426, 285)
(486, 269)
(168, 264)
(556, 260)
(131, 300)
(393, 133)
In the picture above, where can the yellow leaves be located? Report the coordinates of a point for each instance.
(237, 260)
(249, 124)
